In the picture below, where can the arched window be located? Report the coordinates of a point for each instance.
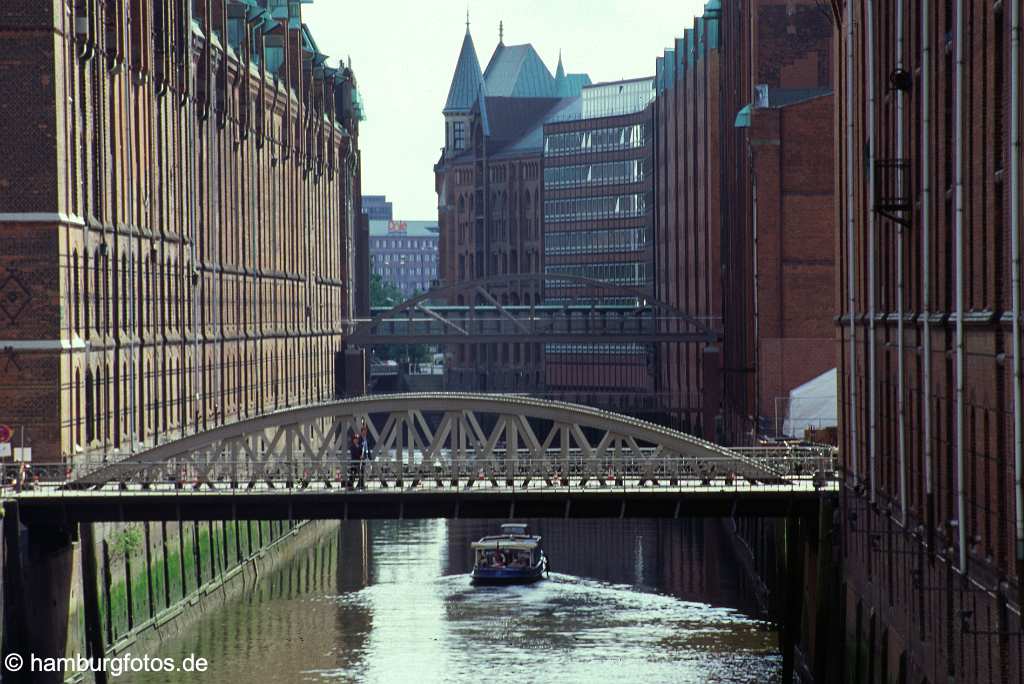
(76, 427)
(97, 276)
(124, 293)
(103, 406)
(154, 398)
(90, 408)
(76, 293)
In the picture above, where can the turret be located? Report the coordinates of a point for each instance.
(466, 88)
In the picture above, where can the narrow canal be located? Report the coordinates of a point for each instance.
(390, 601)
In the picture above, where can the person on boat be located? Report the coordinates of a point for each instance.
(498, 559)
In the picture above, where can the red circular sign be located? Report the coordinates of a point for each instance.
(6, 433)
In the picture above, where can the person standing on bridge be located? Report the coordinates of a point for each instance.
(364, 441)
(355, 463)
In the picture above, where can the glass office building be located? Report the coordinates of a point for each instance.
(598, 225)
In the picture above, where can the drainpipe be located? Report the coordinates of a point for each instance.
(872, 422)
(959, 249)
(926, 206)
(133, 427)
(1015, 162)
(850, 240)
(757, 334)
(900, 408)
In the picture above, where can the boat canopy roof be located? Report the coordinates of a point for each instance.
(506, 543)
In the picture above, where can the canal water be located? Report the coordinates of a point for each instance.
(390, 601)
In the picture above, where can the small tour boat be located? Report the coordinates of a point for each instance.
(512, 557)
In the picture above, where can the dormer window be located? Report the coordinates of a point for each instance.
(459, 135)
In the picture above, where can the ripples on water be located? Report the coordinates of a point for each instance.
(395, 613)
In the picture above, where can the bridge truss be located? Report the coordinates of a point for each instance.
(461, 441)
(474, 313)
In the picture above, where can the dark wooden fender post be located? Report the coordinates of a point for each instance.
(37, 595)
(14, 616)
(827, 643)
(794, 594)
(94, 645)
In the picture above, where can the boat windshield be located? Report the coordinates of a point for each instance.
(504, 558)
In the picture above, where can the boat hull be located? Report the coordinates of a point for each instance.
(507, 577)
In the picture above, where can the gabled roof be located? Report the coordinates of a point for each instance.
(518, 71)
(573, 85)
(467, 81)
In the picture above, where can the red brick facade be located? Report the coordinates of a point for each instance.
(793, 240)
(490, 225)
(774, 59)
(933, 578)
(176, 222)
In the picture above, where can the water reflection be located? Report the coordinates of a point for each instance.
(390, 601)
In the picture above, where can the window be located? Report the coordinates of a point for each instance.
(459, 135)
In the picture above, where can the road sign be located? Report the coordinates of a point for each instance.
(5, 449)
(22, 454)
(6, 433)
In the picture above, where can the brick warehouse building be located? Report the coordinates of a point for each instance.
(168, 167)
(743, 200)
(928, 214)
(489, 186)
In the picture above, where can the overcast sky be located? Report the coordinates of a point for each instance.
(404, 53)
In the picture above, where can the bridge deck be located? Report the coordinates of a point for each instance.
(326, 499)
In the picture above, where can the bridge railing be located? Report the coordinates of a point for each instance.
(397, 472)
(794, 460)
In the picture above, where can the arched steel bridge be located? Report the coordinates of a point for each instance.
(482, 318)
(438, 455)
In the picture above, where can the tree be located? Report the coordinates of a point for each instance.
(383, 293)
(386, 294)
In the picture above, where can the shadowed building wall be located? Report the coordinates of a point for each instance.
(178, 205)
(926, 328)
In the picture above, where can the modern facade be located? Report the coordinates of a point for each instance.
(377, 208)
(742, 185)
(928, 208)
(404, 254)
(489, 187)
(598, 224)
(178, 210)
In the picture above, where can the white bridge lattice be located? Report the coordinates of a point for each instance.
(452, 438)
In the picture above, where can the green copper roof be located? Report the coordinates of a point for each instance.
(743, 118)
(569, 85)
(358, 105)
(467, 81)
(517, 71)
(574, 84)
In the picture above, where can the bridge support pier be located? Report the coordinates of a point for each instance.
(36, 594)
(793, 580)
(351, 373)
(94, 645)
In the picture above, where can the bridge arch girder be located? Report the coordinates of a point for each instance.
(451, 431)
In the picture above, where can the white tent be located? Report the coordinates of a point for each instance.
(813, 404)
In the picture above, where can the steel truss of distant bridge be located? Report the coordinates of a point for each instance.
(441, 455)
(481, 318)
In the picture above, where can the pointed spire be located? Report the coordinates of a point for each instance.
(468, 78)
(501, 33)
(563, 87)
(467, 21)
